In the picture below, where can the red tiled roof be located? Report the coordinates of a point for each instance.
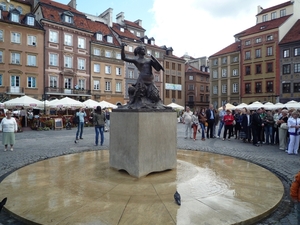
(268, 25)
(273, 8)
(6, 19)
(189, 69)
(61, 6)
(234, 47)
(293, 34)
(133, 24)
(125, 34)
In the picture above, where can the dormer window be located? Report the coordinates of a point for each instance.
(1, 12)
(109, 39)
(121, 29)
(146, 41)
(99, 36)
(30, 20)
(67, 17)
(14, 17)
(138, 34)
(152, 42)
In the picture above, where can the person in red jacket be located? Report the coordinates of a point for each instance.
(228, 122)
(295, 188)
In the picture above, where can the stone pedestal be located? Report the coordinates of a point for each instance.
(142, 142)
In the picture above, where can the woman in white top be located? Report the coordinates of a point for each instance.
(9, 127)
(195, 124)
(294, 131)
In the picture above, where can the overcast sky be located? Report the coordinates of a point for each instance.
(196, 27)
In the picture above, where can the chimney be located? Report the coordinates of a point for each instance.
(72, 4)
(107, 16)
(120, 18)
(138, 22)
(259, 9)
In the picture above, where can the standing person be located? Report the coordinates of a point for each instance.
(228, 121)
(245, 125)
(275, 128)
(262, 132)
(210, 116)
(238, 120)
(99, 121)
(268, 125)
(294, 125)
(222, 113)
(23, 116)
(81, 114)
(216, 122)
(256, 126)
(195, 124)
(202, 121)
(107, 117)
(9, 127)
(187, 120)
(282, 129)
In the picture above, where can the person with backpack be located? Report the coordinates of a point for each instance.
(81, 114)
(99, 122)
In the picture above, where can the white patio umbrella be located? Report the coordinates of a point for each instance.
(227, 106)
(292, 104)
(105, 104)
(269, 106)
(65, 103)
(240, 106)
(24, 101)
(176, 106)
(91, 104)
(255, 105)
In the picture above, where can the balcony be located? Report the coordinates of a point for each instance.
(67, 91)
(15, 90)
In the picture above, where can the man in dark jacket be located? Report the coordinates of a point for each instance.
(256, 126)
(210, 116)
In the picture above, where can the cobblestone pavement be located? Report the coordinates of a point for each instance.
(33, 146)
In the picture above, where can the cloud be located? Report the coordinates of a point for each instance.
(202, 28)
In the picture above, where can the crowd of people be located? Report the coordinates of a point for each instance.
(280, 127)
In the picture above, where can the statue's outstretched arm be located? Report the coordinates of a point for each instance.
(123, 56)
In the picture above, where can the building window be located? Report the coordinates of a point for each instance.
(269, 37)
(118, 87)
(297, 68)
(53, 81)
(297, 51)
(269, 67)
(178, 80)
(16, 37)
(107, 86)
(286, 88)
(167, 65)
(258, 87)
(191, 77)
(286, 69)
(224, 60)
(190, 87)
(201, 88)
(191, 98)
(247, 55)
(1, 35)
(215, 90)
(248, 42)
(53, 36)
(269, 51)
(269, 86)
(53, 59)
(286, 53)
(31, 60)
(31, 82)
(130, 48)
(167, 93)
(258, 40)
(99, 37)
(273, 15)
(30, 20)
(235, 88)
(235, 72)
(96, 85)
(265, 18)
(108, 69)
(118, 71)
(296, 87)
(97, 51)
(81, 84)
(248, 70)
(15, 81)
(68, 62)
(282, 12)
(68, 83)
(258, 69)
(97, 68)
(215, 74)
(258, 53)
(81, 43)
(31, 40)
(15, 58)
(109, 39)
(130, 74)
(215, 62)
(81, 64)
(248, 88)
(108, 54)
(68, 39)
(118, 55)
(173, 66)
(156, 54)
(1, 56)
(15, 17)
(224, 88)
(224, 72)
(179, 67)
(179, 94)
(235, 59)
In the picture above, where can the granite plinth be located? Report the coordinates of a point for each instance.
(142, 142)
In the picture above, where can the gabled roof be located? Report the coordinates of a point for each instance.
(293, 34)
(191, 69)
(273, 8)
(234, 47)
(260, 27)
(133, 24)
